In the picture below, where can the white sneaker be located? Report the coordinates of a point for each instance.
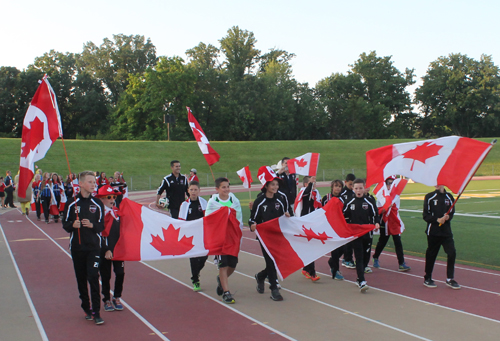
(368, 270)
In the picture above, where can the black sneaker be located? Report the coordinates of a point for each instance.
(260, 285)
(227, 298)
(219, 289)
(98, 319)
(429, 283)
(275, 295)
(88, 316)
(453, 284)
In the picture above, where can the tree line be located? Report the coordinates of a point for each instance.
(122, 90)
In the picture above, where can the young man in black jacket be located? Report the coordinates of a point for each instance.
(361, 210)
(438, 231)
(176, 187)
(84, 220)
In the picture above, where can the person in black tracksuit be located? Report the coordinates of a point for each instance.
(266, 207)
(46, 195)
(333, 261)
(191, 209)
(110, 237)
(361, 210)
(346, 195)
(435, 213)
(175, 185)
(84, 220)
(288, 183)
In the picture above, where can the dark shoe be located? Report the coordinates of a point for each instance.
(46, 221)
(219, 289)
(453, 284)
(429, 283)
(117, 303)
(227, 298)
(108, 306)
(404, 267)
(27, 211)
(260, 285)
(88, 316)
(275, 295)
(363, 286)
(98, 320)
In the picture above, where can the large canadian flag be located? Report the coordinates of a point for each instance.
(293, 242)
(245, 176)
(388, 203)
(208, 152)
(41, 127)
(306, 164)
(450, 161)
(149, 235)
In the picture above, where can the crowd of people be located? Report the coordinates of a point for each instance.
(88, 204)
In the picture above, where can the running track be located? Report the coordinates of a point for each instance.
(160, 303)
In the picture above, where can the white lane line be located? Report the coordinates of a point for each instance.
(223, 304)
(408, 297)
(460, 214)
(25, 290)
(139, 316)
(337, 308)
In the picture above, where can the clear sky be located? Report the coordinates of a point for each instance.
(326, 36)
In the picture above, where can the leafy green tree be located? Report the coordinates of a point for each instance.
(9, 106)
(240, 52)
(460, 96)
(115, 59)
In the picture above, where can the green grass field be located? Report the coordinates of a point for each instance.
(144, 163)
(476, 238)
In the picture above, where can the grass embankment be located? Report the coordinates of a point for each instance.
(146, 162)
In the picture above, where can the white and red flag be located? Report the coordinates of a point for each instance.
(41, 127)
(306, 164)
(297, 241)
(208, 152)
(245, 176)
(388, 203)
(149, 235)
(450, 161)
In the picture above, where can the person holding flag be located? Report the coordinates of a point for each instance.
(390, 224)
(266, 207)
(438, 216)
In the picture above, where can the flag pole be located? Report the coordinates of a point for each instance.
(212, 172)
(70, 176)
(475, 170)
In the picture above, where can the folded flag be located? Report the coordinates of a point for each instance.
(388, 203)
(295, 242)
(306, 164)
(149, 235)
(450, 161)
(245, 176)
(208, 152)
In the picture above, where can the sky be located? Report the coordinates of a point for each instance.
(326, 36)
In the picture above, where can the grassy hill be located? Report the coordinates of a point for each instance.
(146, 162)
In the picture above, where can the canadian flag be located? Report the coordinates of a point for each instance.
(208, 152)
(388, 203)
(306, 164)
(41, 127)
(64, 199)
(245, 176)
(149, 235)
(297, 241)
(450, 161)
(299, 201)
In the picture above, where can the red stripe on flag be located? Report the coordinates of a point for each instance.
(128, 246)
(460, 163)
(222, 223)
(376, 159)
(278, 247)
(313, 169)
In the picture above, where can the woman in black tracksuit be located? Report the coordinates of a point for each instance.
(267, 206)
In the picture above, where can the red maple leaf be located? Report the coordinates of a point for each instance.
(170, 245)
(310, 234)
(422, 152)
(301, 163)
(32, 137)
